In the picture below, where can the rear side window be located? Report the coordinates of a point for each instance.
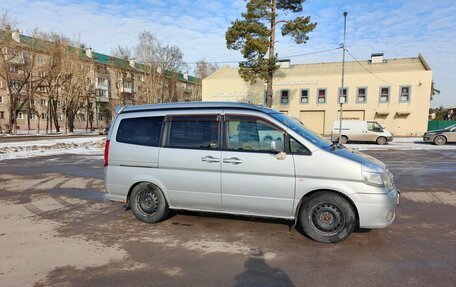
(195, 132)
(140, 131)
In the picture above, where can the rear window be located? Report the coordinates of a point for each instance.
(140, 131)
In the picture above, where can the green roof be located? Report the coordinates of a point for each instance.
(37, 43)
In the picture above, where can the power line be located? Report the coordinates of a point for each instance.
(393, 84)
(280, 58)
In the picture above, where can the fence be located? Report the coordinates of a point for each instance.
(437, 125)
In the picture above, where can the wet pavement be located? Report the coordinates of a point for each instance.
(56, 230)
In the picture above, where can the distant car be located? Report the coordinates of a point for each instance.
(361, 131)
(441, 137)
(104, 131)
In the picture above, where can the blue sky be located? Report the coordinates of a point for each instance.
(396, 28)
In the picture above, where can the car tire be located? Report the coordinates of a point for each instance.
(343, 139)
(440, 140)
(148, 203)
(381, 141)
(327, 217)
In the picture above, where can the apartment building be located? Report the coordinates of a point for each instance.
(114, 81)
(393, 92)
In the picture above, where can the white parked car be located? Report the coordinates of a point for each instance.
(243, 159)
(361, 131)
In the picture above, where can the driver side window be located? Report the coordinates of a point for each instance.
(246, 133)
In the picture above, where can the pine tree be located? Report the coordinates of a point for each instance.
(254, 35)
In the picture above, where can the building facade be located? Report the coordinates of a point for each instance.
(393, 92)
(113, 81)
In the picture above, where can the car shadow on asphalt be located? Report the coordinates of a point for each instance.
(258, 273)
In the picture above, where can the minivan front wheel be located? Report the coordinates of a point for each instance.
(148, 203)
(327, 217)
(382, 140)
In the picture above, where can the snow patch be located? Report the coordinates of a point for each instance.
(25, 149)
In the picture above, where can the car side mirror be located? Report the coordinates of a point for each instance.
(277, 145)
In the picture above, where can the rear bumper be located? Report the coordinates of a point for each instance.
(377, 210)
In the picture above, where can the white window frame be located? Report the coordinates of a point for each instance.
(357, 95)
(408, 94)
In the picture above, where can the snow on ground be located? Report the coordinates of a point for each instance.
(23, 149)
(50, 134)
(95, 145)
(402, 144)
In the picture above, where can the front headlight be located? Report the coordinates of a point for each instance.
(379, 179)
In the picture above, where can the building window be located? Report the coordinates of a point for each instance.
(384, 94)
(32, 116)
(40, 60)
(2, 115)
(304, 96)
(82, 117)
(13, 69)
(43, 116)
(284, 97)
(43, 102)
(321, 96)
(101, 93)
(43, 89)
(60, 117)
(20, 116)
(361, 95)
(405, 94)
(58, 104)
(344, 95)
(1, 99)
(128, 85)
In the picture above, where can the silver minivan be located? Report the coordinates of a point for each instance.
(243, 159)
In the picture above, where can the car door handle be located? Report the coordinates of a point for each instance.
(210, 159)
(233, 160)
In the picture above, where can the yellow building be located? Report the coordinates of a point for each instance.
(394, 92)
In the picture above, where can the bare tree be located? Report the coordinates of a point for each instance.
(13, 70)
(201, 71)
(164, 64)
(122, 52)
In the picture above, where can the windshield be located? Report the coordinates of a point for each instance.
(450, 127)
(306, 133)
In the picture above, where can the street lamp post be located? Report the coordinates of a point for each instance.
(341, 93)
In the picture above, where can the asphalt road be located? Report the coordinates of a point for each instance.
(57, 230)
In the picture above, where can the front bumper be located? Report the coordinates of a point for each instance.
(389, 139)
(428, 138)
(377, 210)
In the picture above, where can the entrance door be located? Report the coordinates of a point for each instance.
(254, 181)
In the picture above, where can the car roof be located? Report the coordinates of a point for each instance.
(193, 105)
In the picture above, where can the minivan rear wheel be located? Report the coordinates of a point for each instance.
(327, 217)
(148, 203)
(343, 139)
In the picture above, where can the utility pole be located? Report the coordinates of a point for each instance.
(341, 95)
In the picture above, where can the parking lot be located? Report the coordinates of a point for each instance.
(56, 229)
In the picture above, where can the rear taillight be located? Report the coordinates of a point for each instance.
(106, 153)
